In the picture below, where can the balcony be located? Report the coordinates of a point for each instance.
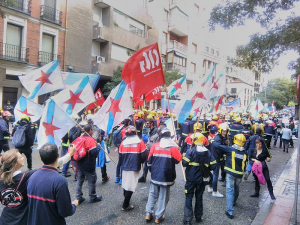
(174, 66)
(14, 53)
(17, 5)
(105, 68)
(177, 46)
(101, 34)
(51, 15)
(46, 57)
(179, 22)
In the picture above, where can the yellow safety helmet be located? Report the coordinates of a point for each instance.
(168, 113)
(198, 138)
(239, 139)
(153, 113)
(149, 117)
(89, 112)
(274, 114)
(191, 116)
(24, 117)
(222, 126)
(144, 110)
(198, 126)
(159, 112)
(173, 115)
(140, 114)
(215, 117)
(238, 119)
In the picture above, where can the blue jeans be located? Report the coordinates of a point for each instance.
(232, 191)
(249, 167)
(65, 169)
(119, 169)
(214, 184)
(276, 138)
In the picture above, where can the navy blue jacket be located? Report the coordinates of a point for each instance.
(193, 159)
(247, 133)
(28, 133)
(250, 144)
(161, 163)
(132, 156)
(235, 128)
(218, 140)
(4, 133)
(186, 127)
(49, 200)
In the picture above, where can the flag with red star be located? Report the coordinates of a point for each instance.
(43, 80)
(178, 86)
(115, 109)
(77, 96)
(29, 108)
(55, 123)
(218, 86)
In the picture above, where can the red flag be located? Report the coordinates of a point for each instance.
(143, 71)
(154, 94)
(219, 102)
(99, 101)
(139, 101)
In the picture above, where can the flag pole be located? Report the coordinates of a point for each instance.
(184, 177)
(226, 113)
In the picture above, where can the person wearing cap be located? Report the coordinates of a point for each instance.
(235, 164)
(4, 135)
(132, 153)
(26, 149)
(161, 162)
(196, 157)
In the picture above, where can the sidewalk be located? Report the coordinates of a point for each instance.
(280, 212)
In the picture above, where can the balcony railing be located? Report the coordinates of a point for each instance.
(18, 5)
(51, 15)
(173, 66)
(14, 53)
(46, 57)
(177, 46)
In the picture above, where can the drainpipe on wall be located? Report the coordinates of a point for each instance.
(66, 32)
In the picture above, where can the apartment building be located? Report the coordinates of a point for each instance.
(182, 39)
(32, 33)
(108, 32)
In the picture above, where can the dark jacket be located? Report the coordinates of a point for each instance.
(132, 156)
(250, 143)
(193, 159)
(49, 200)
(247, 133)
(186, 128)
(235, 163)
(205, 124)
(218, 140)
(4, 132)
(270, 127)
(88, 163)
(235, 128)
(28, 133)
(161, 163)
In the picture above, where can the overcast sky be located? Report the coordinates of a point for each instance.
(228, 40)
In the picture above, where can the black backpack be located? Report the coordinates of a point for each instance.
(74, 133)
(19, 137)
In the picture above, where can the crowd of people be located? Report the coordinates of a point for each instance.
(225, 148)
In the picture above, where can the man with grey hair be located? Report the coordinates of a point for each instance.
(49, 200)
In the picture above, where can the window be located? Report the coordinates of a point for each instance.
(196, 8)
(136, 30)
(193, 67)
(212, 51)
(233, 90)
(13, 46)
(204, 62)
(207, 49)
(163, 60)
(166, 16)
(217, 53)
(47, 53)
(194, 48)
(164, 38)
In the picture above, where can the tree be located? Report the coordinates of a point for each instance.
(115, 80)
(263, 50)
(281, 90)
(171, 76)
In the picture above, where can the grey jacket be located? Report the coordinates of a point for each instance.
(286, 133)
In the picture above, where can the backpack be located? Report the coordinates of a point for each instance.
(81, 151)
(207, 177)
(117, 137)
(213, 129)
(19, 137)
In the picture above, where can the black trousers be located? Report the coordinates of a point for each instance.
(268, 142)
(4, 146)
(27, 152)
(191, 189)
(103, 171)
(267, 177)
(127, 197)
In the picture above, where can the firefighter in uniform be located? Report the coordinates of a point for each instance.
(193, 159)
(205, 124)
(235, 164)
(246, 130)
(186, 129)
(139, 122)
(235, 129)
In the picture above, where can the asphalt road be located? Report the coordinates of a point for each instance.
(108, 211)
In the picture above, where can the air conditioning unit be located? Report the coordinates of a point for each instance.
(100, 59)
